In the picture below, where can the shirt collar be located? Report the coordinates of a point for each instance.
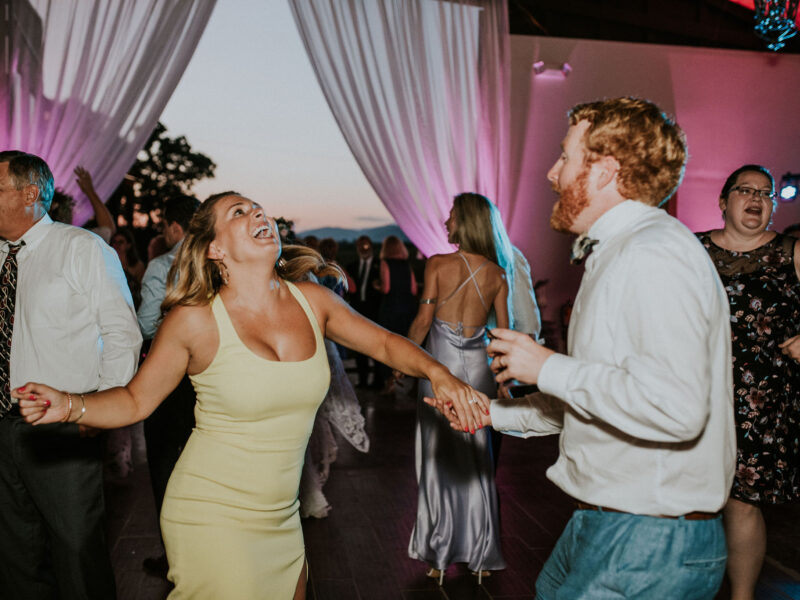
(173, 252)
(618, 220)
(33, 235)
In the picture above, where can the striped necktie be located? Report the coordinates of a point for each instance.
(8, 297)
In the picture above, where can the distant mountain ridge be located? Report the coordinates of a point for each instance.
(340, 234)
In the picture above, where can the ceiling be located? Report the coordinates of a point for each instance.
(709, 23)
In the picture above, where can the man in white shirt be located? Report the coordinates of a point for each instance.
(643, 400)
(73, 326)
(167, 429)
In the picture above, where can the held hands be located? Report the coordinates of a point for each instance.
(446, 408)
(463, 406)
(516, 356)
(40, 404)
(791, 347)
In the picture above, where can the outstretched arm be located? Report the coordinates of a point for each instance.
(116, 407)
(101, 213)
(346, 327)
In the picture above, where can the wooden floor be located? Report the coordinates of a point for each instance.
(360, 551)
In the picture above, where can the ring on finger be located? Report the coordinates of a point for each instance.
(472, 400)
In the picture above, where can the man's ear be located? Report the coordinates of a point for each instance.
(31, 194)
(607, 169)
(215, 252)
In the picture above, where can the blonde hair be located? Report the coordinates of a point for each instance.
(393, 247)
(194, 279)
(649, 146)
(474, 231)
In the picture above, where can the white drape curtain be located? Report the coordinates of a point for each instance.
(420, 90)
(83, 82)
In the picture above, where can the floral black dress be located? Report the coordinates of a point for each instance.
(764, 294)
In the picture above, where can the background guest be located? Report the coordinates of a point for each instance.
(461, 290)
(759, 269)
(61, 207)
(125, 245)
(366, 299)
(329, 250)
(525, 315)
(398, 295)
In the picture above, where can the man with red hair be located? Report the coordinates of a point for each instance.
(643, 399)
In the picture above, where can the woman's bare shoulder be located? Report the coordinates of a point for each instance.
(438, 260)
(189, 318)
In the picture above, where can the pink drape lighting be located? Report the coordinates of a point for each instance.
(83, 82)
(420, 93)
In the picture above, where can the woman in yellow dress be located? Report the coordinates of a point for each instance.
(252, 343)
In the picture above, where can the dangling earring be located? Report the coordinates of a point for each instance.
(223, 272)
(281, 263)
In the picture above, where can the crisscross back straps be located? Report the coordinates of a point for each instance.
(466, 281)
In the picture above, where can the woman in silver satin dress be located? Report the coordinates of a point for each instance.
(457, 510)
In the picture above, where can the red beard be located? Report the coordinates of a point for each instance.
(571, 202)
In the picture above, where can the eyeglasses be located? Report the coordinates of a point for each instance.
(747, 192)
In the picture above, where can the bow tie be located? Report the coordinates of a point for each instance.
(581, 248)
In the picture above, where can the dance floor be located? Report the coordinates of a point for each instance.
(360, 551)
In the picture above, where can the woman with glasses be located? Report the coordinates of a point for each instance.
(760, 270)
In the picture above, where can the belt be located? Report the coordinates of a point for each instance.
(692, 516)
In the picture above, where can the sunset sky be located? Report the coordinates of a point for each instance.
(249, 99)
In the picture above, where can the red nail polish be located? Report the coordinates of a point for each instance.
(466, 429)
(22, 389)
(31, 397)
(47, 403)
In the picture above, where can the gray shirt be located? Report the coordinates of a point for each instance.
(154, 289)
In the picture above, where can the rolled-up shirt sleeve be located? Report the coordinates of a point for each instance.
(532, 415)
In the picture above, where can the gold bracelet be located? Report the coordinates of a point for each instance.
(428, 300)
(83, 408)
(69, 408)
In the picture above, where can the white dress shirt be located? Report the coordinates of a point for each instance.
(647, 414)
(74, 324)
(154, 289)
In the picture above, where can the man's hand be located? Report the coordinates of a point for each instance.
(791, 347)
(446, 408)
(516, 356)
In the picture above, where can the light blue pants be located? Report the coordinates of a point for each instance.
(604, 555)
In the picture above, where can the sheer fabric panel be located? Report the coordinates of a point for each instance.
(83, 82)
(419, 89)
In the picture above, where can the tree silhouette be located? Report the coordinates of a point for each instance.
(164, 168)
